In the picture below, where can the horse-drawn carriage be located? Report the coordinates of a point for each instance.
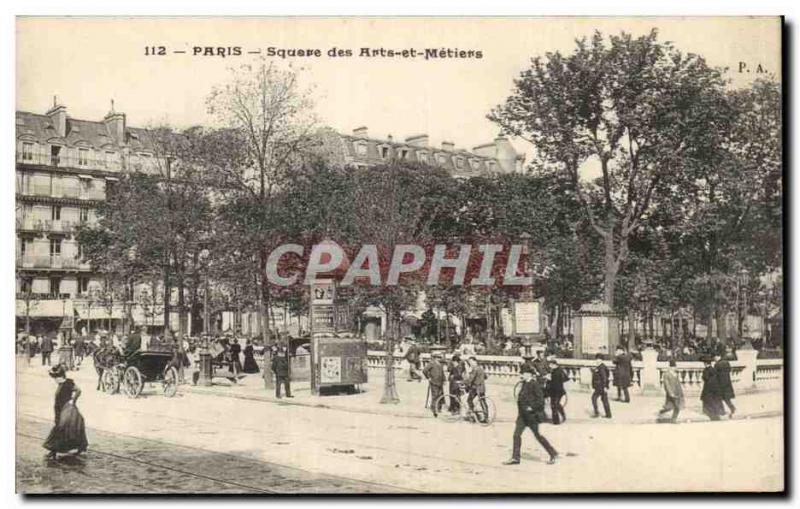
(130, 374)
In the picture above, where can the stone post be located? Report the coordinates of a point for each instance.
(650, 380)
(747, 379)
(205, 369)
(586, 377)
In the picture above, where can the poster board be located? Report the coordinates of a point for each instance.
(594, 334)
(339, 361)
(526, 318)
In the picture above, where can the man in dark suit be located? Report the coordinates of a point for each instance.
(434, 372)
(280, 366)
(530, 413)
(134, 343)
(623, 374)
(723, 370)
(555, 390)
(599, 385)
(47, 349)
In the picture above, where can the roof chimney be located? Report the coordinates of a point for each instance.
(448, 145)
(420, 140)
(115, 124)
(361, 132)
(58, 116)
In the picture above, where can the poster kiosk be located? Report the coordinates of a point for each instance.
(338, 358)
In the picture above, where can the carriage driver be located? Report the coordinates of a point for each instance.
(134, 343)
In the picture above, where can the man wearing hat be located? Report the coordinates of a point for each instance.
(600, 376)
(434, 372)
(455, 375)
(530, 413)
(540, 368)
(555, 390)
(412, 357)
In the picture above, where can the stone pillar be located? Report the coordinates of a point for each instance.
(266, 372)
(586, 377)
(747, 379)
(650, 380)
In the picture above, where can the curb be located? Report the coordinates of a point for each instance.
(427, 415)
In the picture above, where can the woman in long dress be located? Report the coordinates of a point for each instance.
(250, 364)
(711, 396)
(69, 432)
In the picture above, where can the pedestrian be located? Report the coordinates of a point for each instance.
(623, 374)
(280, 366)
(79, 350)
(28, 349)
(413, 359)
(133, 344)
(455, 376)
(434, 373)
(710, 395)
(555, 390)
(47, 350)
(540, 366)
(250, 364)
(674, 392)
(599, 385)
(723, 372)
(530, 413)
(236, 362)
(476, 385)
(69, 431)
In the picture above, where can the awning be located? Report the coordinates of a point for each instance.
(112, 179)
(87, 177)
(45, 308)
(98, 313)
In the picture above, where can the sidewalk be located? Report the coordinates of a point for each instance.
(641, 410)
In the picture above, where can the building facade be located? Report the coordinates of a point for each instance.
(64, 169)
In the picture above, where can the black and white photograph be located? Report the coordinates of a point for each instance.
(399, 255)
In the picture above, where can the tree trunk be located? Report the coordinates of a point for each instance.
(722, 325)
(389, 386)
(631, 327)
(611, 268)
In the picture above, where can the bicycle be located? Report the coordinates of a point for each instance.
(449, 408)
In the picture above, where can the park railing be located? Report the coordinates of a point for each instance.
(747, 372)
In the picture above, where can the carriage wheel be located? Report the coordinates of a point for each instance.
(132, 382)
(170, 381)
(448, 408)
(109, 381)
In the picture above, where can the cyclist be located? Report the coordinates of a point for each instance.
(456, 370)
(476, 385)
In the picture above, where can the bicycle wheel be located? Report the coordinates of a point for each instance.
(448, 408)
(485, 411)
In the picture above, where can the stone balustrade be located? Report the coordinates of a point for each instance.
(747, 373)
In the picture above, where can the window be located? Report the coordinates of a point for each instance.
(84, 214)
(83, 157)
(403, 154)
(83, 285)
(55, 155)
(459, 163)
(422, 157)
(55, 247)
(361, 149)
(384, 152)
(55, 286)
(442, 158)
(27, 151)
(55, 212)
(109, 163)
(25, 285)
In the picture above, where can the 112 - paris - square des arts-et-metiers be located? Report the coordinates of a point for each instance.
(433, 234)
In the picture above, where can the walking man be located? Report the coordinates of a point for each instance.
(710, 396)
(723, 369)
(599, 385)
(455, 376)
(674, 392)
(623, 373)
(47, 350)
(280, 366)
(434, 372)
(555, 390)
(530, 413)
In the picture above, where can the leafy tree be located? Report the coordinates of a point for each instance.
(637, 109)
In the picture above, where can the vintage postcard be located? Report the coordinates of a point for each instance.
(399, 255)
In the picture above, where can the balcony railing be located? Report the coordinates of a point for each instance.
(64, 192)
(42, 296)
(51, 262)
(71, 161)
(123, 163)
